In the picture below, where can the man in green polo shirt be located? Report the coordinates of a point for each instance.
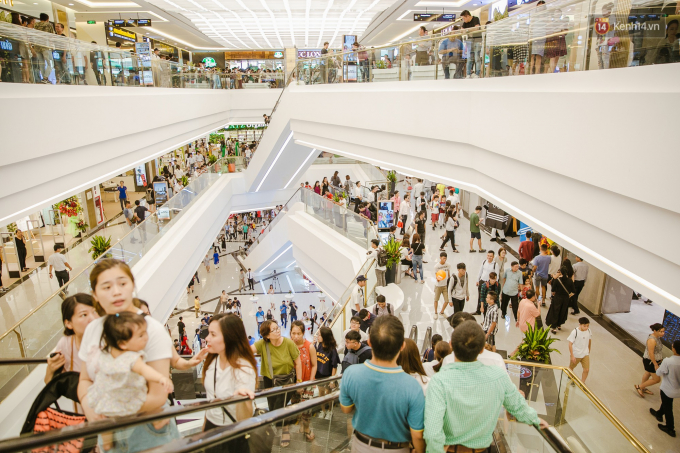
(474, 230)
(465, 397)
(387, 403)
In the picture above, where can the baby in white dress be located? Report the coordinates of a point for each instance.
(121, 376)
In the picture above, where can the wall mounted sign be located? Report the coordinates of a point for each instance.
(427, 17)
(115, 32)
(209, 62)
(309, 53)
(278, 54)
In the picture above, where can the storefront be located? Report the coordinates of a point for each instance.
(250, 132)
(265, 59)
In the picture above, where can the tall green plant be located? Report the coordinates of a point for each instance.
(99, 246)
(392, 176)
(184, 180)
(536, 345)
(393, 250)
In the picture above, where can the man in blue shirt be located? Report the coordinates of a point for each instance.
(451, 50)
(284, 314)
(542, 265)
(122, 194)
(387, 403)
(259, 316)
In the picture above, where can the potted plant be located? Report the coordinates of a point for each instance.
(392, 182)
(535, 346)
(82, 226)
(383, 73)
(99, 246)
(184, 180)
(393, 250)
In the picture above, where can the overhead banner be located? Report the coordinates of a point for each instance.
(427, 17)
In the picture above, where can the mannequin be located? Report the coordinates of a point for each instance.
(497, 220)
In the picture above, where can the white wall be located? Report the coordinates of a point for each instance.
(46, 156)
(577, 156)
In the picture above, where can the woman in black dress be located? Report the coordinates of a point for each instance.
(421, 220)
(21, 250)
(562, 290)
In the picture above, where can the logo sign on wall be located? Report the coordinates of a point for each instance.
(601, 25)
(278, 54)
(309, 53)
(209, 62)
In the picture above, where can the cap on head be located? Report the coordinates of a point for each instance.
(361, 278)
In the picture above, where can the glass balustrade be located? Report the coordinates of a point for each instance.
(38, 332)
(560, 36)
(32, 56)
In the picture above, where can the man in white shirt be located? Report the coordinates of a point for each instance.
(669, 389)
(440, 286)
(488, 266)
(580, 339)
(455, 200)
(58, 262)
(580, 276)
(418, 188)
(358, 295)
(459, 288)
(486, 357)
(251, 280)
(379, 269)
(404, 210)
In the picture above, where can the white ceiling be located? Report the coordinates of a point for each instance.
(275, 24)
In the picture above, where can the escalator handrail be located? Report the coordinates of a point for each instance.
(221, 434)
(344, 304)
(22, 361)
(94, 428)
(554, 439)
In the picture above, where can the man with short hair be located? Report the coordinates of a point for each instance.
(251, 280)
(380, 267)
(491, 285)
(541, 264)
(423, 48)
(324, 62)
(465, 398)
(475, 232)
(387, 403)
(528, 311)
(259, 317)
(580, 341)
(490, 324)
(441, 285)
(129, 215)
(489, 265)
(486, 357)
(475, 44)
(669, 370)
(367, 319)
(181, 328)
(222, 302)
(459, 288)
(526, 248)
(60, 63)
(511, 282)
(580, 276)
(355, 351)
(44, 55)
(382, 308)
(57, 261)
(283, 309)
(451, 51)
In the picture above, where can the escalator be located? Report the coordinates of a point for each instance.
(264, 429)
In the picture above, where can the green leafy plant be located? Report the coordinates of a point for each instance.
(212, 159)
(381, 64)
(215, 138)
(82, 226)
(536, 345)
(393, 250)
(12, 227)
(392, 176)
(99, 246)
(184, 180)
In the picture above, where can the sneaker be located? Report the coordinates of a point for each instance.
(329, 415)
(657, 414)
(436, 316)
(474, 76)
(493, 239)
(504, 240)
(477, 313)
(482, 250)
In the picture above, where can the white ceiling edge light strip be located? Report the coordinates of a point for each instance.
(361, 13)
(275, 159)
(342, 16)
(323, 22)
(277, 257)
(290, 21)
(647, 284)
(301, 167)
(288, 278)
(225, 23)
(109, 4)
(257, 21)
(271, 16)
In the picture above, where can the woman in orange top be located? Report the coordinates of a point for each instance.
(308, 359)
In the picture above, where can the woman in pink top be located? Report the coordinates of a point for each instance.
(397, 200)
(528, 311)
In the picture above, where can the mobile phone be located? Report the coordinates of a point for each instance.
(53, 354)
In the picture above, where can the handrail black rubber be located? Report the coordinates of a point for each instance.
(22, 361)
(554, 439)
(17, 444)
(222, 434)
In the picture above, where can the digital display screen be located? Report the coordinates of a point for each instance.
(672, 324)
(385, 215)
(428, 17)
(143, 22)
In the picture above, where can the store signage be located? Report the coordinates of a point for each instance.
(434, 17)
(129, 22)
(601, 25)
(119, 33)
(209, 62)
(309, 53)
(5, 45)
(278, 54)
(143, 22)
(91, 22)
(233, 127)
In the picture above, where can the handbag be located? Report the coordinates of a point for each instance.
(400, 224)
(565, 289)
(278, 379)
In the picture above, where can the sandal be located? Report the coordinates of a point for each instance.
(647, 391)
(639, 391)
(285, 438)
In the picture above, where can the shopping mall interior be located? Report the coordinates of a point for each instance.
(264, 178)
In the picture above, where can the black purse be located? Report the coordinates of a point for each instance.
(278, 379)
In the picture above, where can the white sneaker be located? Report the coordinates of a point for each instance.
(329, 415)
(436, 316)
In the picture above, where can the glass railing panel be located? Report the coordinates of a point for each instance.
(14, 374)
(512, 436)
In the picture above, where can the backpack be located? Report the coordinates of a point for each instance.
(389, 309)
(352, 357)
(382, 257)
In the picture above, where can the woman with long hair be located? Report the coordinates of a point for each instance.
(441, 350)
(317, 188)
(562, 289)
(113, 287)
(407, 254)
(450, 224)
(309, 365)
(409, 360)
(325, 186)
(417, 258)
(230, 369)
(327, 365)
(77, 312)
(651, 360)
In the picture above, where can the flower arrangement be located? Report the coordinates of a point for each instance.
(69, 207)
(535, 345)
(82, 226)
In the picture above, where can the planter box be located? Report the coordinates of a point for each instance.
(385, 75)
